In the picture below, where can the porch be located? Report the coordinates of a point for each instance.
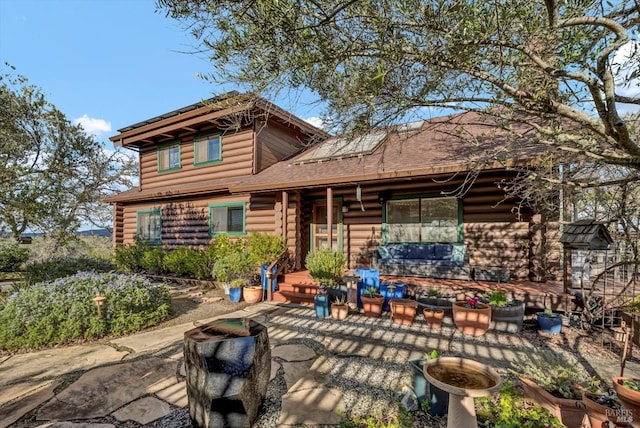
(299, 287)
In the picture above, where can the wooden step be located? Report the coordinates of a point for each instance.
(292, 297)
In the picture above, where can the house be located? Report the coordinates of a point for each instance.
(236, 165)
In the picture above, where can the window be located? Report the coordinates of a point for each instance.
(149, 226)
(422, 220)
(169, 157)
(227, 218)
(207, 149)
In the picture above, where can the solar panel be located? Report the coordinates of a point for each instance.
(341, 147)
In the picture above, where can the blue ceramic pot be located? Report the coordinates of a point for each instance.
(549, 323)
(235, 294)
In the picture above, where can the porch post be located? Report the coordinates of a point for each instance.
(330, 216)
(285, 209)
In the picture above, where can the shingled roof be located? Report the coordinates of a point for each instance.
(586, 235)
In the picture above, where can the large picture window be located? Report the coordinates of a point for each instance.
(149, 226)
(227, 218)
(422, 220)
(208, 149)
(169, 157)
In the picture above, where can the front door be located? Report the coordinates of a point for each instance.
(319, 229)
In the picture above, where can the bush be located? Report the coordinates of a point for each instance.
(182, 261)
(60, 267)
(235, 266)
(152, 260)
(508, 409)
(61, 311)
(265, 248)
(326, 266)
(128, 257)
(12, 257)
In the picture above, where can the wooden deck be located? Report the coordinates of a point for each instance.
(298, 287)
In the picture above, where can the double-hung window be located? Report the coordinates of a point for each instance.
(169, 157)
(227, 218)
(208, 149)
(422, 220)
(149, 226)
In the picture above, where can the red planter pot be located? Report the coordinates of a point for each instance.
(569, 412)
(372, 306)
(403, 311)
(630, 400)
(433, 317)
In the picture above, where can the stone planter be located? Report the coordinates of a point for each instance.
(630, 400)
(403, 311)
(507, 319)
(252, 294)
(472, 321)
(372, 306)
(433, 317)
(339, 312)
(569, 412)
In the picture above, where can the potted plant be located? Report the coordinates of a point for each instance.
(235, 290)
(403, 311)
(554, 382)
(339, 308)
(433, 317)
(326, 267)
(431, 398)
(628, 391)
(549, 322)
(602, 408)
(471, 317)
(264, 250)
(372, 302)
(507, 315)
(434, 299)
(234, 268)
(321, 302)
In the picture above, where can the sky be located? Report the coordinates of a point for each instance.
(108, 64)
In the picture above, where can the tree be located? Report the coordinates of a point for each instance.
(552, 64)
(53, 176)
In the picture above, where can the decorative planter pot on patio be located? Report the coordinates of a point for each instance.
(629, 398)
(549, 323)
(252, 294)
(372, 306)
(321, 305)
(507, 319)
(599, 415)
(339, 311)
(472, 321)
(403, 311)
(569, 412)
(433, 317)
(439, 303)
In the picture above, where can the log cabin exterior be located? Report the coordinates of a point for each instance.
(238, 166)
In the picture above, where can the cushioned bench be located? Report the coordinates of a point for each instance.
(437, 260)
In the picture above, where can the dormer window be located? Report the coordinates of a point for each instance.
(169, 157)
(208, 149)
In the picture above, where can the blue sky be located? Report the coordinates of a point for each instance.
(107, 63)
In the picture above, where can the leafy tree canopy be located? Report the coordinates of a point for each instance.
(377, 61)
(53, 176)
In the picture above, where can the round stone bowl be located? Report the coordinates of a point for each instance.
(463, 379)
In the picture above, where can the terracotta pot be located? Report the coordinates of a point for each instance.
(339, 312)
(403, 311)
(252, 294)
(434, 317)
(372, 306)
(599, 415)
(630, 400)
(569, 412)
(473, 321)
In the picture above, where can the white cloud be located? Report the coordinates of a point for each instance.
(315, 121)
(624, 61)
(93, 126)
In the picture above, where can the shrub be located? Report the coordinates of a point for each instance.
(128, 257)
(224, 246)
(237, 265)
(508, 409)
(152, 260)
(59, 267)
(181, 261)
(265, 248)
(63, 310)
(326, 266)
(12, 257)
